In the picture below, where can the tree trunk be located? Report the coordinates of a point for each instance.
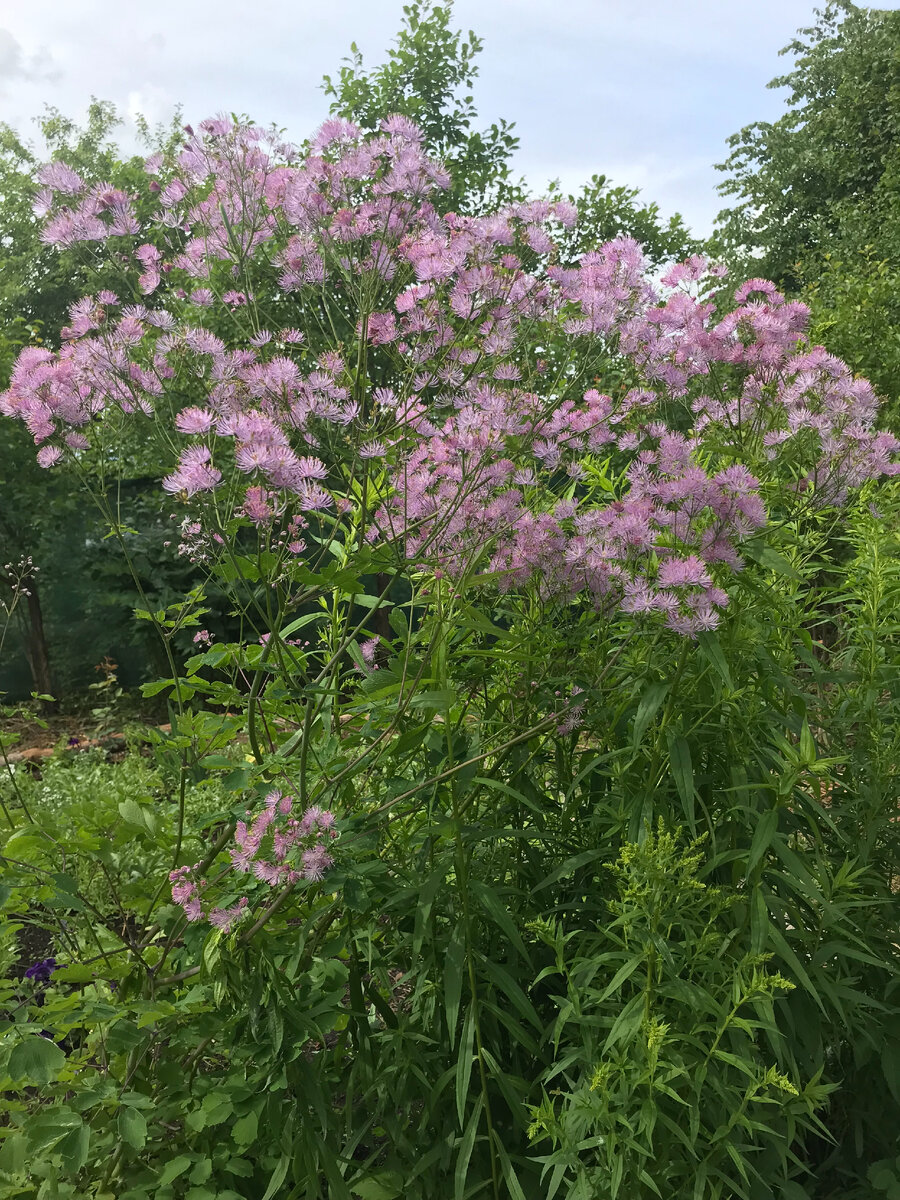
(36, 643)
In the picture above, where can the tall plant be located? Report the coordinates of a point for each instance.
(375, 406)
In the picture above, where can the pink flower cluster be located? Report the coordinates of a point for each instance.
(88, 214)
(461, 412)
(274, 846)
(187, 888)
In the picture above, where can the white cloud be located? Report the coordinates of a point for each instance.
(154, 104)
(17, 66)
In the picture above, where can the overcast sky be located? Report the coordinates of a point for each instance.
(644, 91)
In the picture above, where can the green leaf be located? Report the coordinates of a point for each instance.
(771, 559)
(890, 1067)
(709, 647)
(36, 1059)
(682, 772)
(652, 698)
(202, 1171)
(74, 1147)
(759, 922)
(509, 1174)
(216, 762)
(153, 689)
(238, 780)
(465, 1151)
(12, 1154)
(245, 1129)
(494, 907)
(453, 976)
(50, 1126)
(626, 1023)
(217, 1107)
(76, 973)
(807, 745)
(765, 831)
(570, 865)
(784, 949)
(278, 1177)
(508, 985)
(464, 1064)
(441, 700)
(385, 1185)
(173, 1168)
(133, 813)
(300, 622)
(132, 1128)
(623, 973)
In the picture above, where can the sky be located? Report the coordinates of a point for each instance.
(645, 92)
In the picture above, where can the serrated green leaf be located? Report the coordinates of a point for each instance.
(245, 1129)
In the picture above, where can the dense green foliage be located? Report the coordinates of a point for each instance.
(640, 1010)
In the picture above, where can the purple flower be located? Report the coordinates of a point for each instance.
(60, 177)
(41, 971)
(194, 473)
(194, 420)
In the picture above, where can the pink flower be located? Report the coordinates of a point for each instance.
(49, 456)
(367, 649)
(194, 420)
(316, 862)
(194, 473)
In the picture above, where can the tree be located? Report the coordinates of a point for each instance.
(428, 76)
(816, 194)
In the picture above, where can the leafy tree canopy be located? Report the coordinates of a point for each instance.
(816, 194)
(793, 180)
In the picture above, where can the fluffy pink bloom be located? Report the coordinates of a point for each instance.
(476, 457)
(316, 862)
(194, 474)
(49, 456)
(194, 420)
(226, 918)
(59, 177)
